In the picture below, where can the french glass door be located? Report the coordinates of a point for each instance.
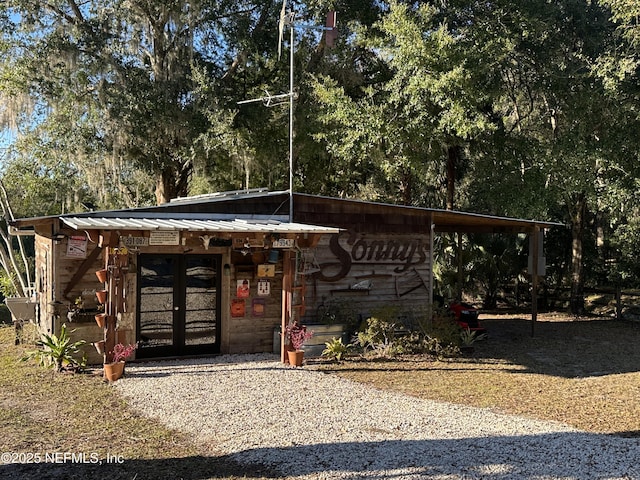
(178, 305)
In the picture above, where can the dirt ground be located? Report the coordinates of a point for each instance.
(581, 371)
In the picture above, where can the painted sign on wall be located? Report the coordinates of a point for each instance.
(397, 254)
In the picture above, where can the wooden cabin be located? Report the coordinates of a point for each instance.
(223, 273)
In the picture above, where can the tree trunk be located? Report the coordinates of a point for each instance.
(172, 183)
(453, 155)
(578, 213)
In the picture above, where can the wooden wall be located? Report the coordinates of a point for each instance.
(251, 333)
(55, 267)
(353, 274)
(356, 274)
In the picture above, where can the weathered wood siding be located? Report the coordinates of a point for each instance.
(356, 274)
(253, 333)
(54, 270)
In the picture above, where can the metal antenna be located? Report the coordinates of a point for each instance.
(287, 19)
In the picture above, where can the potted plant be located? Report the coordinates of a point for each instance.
(295, 336)
(115, 369)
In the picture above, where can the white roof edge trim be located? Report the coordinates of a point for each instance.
(220, 226)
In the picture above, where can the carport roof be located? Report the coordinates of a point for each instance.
(260, 210)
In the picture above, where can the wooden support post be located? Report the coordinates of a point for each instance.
(460, 265)
(534, 279)
(287, 283)
(430, 282)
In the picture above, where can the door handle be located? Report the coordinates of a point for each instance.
(176, 308)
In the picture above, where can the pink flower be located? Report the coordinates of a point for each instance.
(297, 334)
(121, 352)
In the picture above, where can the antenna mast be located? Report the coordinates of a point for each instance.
(287, 19)
(290, 17)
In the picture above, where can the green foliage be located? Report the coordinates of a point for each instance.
(443, 328)
(468, 337)
(336, 349)
(7, 285)
(385, 336)
(379, 333)
(56, 351)
(512, 108)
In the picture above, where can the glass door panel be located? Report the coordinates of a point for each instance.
(178, 305)
(155, 303)
(201, 313)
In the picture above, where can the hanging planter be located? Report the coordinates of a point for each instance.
(102, 296)
(102, 275)
(99, 347)
(101, 319)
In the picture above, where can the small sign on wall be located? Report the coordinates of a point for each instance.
(237, 307)
(257, 307)
(266, 270)
(284, 243)
(242, 288)
(264, 287)
(133, 242)
(77, 247)
(164, 237)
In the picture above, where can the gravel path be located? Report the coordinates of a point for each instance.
(310, 425)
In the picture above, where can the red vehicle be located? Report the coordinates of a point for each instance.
(464, 314)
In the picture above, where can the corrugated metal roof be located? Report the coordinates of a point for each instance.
(208, 225)
(309, 210)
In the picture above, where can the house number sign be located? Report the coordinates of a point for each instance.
(133, 242)
(284, 243)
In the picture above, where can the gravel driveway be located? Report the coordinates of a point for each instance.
(311, 425)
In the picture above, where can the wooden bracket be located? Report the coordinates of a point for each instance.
(82, 269)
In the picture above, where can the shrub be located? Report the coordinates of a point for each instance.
(335, 349)
(56, 351)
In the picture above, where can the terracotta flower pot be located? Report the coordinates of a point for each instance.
(101, 319)
(102, 275)
(99, 346)
(296, 357)
(113, 371)
(102, 296)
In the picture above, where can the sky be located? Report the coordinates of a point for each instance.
(6, 137)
